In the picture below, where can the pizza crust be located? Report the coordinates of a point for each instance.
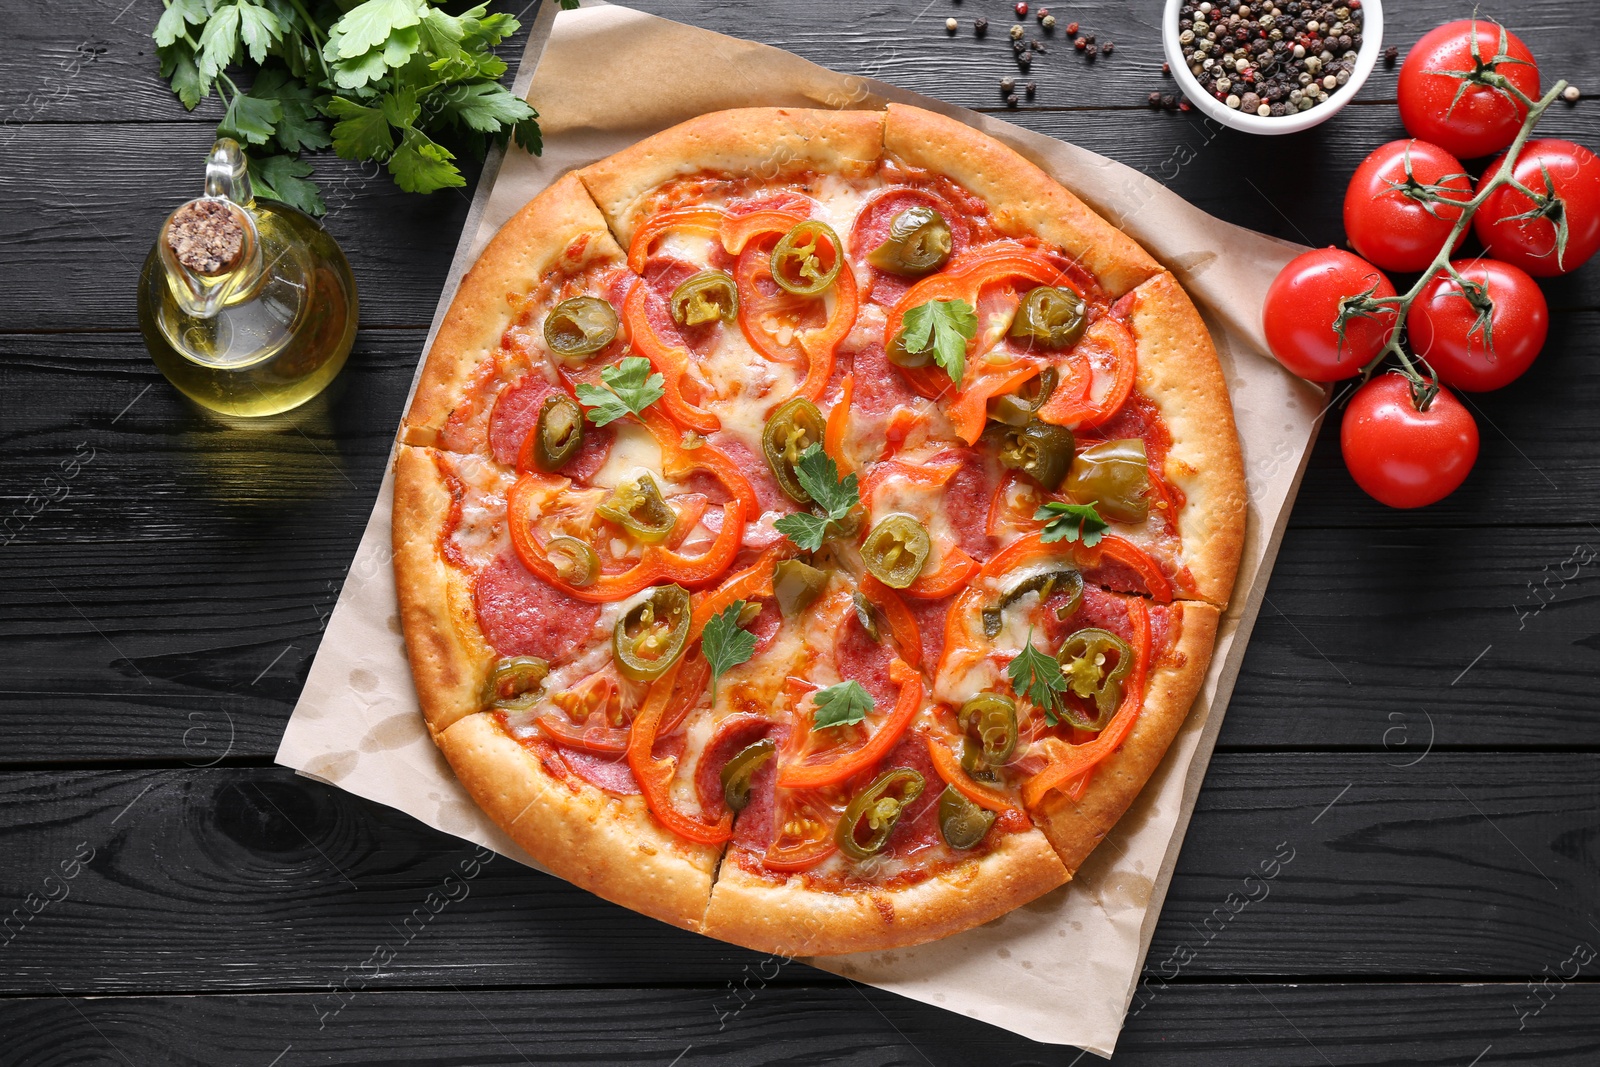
(1076, 827)
(771, 142)
(1023, 199)
(450, 661)
(609, 845)
(559, 229)
(1178, 370)
(790, 919)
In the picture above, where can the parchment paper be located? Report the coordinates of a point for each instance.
(609, 76)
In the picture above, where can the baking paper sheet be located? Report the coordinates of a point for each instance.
(603, 77)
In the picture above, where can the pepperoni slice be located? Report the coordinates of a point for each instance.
(967, 496)
(871, 229)
(734, 734)
(918, 827)
(521, 614)
(611, 773)
(516, 412)
(754, 828)
(663, 274)
(765, 626)
(756, 472)
(867, 661)
(931, 616)
(880, 387)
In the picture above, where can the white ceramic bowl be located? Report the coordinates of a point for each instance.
(1211, 107)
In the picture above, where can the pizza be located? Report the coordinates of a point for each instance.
(811, 527)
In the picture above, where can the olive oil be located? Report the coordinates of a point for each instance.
(263, 332)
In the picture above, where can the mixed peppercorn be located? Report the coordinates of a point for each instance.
(1271, 58)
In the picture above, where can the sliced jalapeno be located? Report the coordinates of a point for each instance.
(1018, 409)
(867, 616)
(870, 818)
(1084, 662)
(1044, 584)
(793, 428)
(558, 434)
(651, 635)
(992, 719)
(1040, 450)
(1116, 476)
(738, 771)
(580, 327)
(973, 763)
(961, 822)
(575, 561)
(1050, 317)
(900, 356)
(638, 508)
(896, 550)
(514, 684)
(919, 243)
(796, 586)
(806, 261)
(705, 297)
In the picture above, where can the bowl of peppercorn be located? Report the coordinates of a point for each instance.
(1272, 66)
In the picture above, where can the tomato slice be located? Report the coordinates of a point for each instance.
(655, 775)
(883, 739)
(1107, 350)
(803, 820)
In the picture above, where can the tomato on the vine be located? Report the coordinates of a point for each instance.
(1387, 214)
(1485, 337)
(1304, 307)
(1403, 457)
(1555, 233)
(1443, 98)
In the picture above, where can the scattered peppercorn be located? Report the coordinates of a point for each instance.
(1048, 22)
(1022, 10)
(1080, 44)
(1011, 100)
(1007, 84)
(1154, 100)
(1106, 48)
(1030, 89)
(1571, 94)
(1166, 68)
(1016, 33)
(951, 25)
(1390, 54)
(1183, 106)
(1089, 37)
(1025, 60)
(980, 26)
(1072, 28)
(1041, 13)
(1037, 46)
(1169, 102)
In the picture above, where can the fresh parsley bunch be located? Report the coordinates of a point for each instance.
(393, 77)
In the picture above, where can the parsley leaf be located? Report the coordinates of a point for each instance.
(946, 326)
(1071, 522)
(1037, 677)
(284, 178)
(840, 705)
(175, 20)
(819, 476)
(249, 119)
(361, 132)
(259, 29)
(632, 389)
(725, 643)
(368, 25)
(300, 124)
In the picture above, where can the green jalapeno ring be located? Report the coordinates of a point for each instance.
(650, 636)
(879, 806)
(1041, 450)
(1044, 583)
(639, 508)
(705, 297)
(797, 259)
(514, 683)
(900, 356)
(796, 425)
(558, 434)
(796, 586)
(993, 717)
(896, 550)
(962, 823)
(1050, 317)
(575, 561)
(580, 327)
(1018, 409)
(919, 242)
(738, 771)
(1116, 476)
(1082, 657)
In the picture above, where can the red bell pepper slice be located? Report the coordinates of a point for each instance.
(655, 775)
(816, 344)
(706, 220)
(902, 624)
(949, 768)
(670, 361)
(1077, 760)
(969, 411)
(838, 426)
(1108, 340)
(878, 745)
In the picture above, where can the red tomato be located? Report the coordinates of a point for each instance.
(1387, 224)
(1484, 119)
(1401, 456)
(1447, 331)
(1303, 304)
(1531, 243)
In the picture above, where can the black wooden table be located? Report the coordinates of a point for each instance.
(1417, 722)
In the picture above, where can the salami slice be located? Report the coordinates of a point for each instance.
(867, 661)
(734, 734)
(523, 615)
(871, 229)
(967, 496)
(880, 388)
(515, 414)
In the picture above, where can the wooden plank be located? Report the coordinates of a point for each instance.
(1232, 1025)
(94, 58)
(234, 878)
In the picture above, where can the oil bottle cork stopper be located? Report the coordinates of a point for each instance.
(206, 236)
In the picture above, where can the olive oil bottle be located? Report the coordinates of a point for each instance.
(247, 306)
